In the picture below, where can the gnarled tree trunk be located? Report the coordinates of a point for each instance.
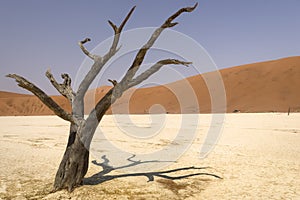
(74, 164)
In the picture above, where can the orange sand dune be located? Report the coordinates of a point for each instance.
(264, 87)
(17, 104)
(271, 86)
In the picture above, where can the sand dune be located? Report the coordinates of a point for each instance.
(17, 104)
(271, 86)
(264, 87)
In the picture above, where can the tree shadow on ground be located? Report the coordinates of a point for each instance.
(103, 176)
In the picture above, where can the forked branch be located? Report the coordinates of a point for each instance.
(128, 80)
(63, 88)
(52, 105)
(99, 63)
(113, 49)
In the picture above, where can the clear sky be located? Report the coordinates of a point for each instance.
(36, 35)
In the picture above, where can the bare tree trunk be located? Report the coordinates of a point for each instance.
(74, 164)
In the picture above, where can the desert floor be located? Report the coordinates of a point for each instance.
(257, 156)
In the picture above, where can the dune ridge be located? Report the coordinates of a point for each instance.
(270, 86)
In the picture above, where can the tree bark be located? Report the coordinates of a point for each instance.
(74, 164)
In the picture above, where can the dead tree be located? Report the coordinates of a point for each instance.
(74, 164)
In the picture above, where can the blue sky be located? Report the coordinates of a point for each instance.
(36, 35)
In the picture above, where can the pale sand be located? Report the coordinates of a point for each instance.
(258, 157)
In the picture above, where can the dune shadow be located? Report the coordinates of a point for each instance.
(104, 176)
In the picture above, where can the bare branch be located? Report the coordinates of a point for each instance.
(84, 50)
(142, 52)
(115, 28)
(48, 101)
(85, 40)
(64, 88)
(168, 22)
(120, 28)
(102, 106)
(116, 92)
(172, 24)
(113, 49)
(113, 94)
(153, 69)
(126, 19)
(99, 63)
(67, 80)
(114, 82)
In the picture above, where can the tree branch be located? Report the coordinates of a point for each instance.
(113, 94)
(99, 63)
(113, 49)
(153, 69)
(85, 51)
(142, 52)
(116, 92)
(168, 22)
(48, 101)
(114, 82)
(64, 88)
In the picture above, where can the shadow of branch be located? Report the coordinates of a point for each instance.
(103, 176)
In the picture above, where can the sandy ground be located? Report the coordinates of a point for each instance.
(257, 156)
